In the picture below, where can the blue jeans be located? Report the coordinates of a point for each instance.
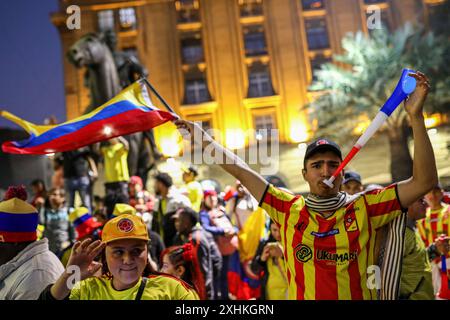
(82, 185)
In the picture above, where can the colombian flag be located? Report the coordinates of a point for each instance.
(128, 112)
(242, 282)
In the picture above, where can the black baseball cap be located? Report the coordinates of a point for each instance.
(351, 176)
(322, 145)
(190, 169)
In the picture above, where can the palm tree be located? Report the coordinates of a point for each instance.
(369, 70)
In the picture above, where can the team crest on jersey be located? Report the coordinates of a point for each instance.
(350, 222)
(125, 225)
(303, 253)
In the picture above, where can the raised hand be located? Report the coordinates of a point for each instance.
(83, 255)
(266, 253)
(276, 251)
(414, 103)
(187, 129)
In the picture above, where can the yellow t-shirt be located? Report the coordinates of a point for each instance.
(115, 163)
(277, 286)
(163, 205)
(158, 287)
(195, 194)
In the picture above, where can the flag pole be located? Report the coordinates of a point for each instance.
(142, 76)
(159, 96)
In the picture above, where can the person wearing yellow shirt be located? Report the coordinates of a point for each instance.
(437, 217)
(193, 188)
(182, 262)
(269, 262)
(124, 252)
(115, 154)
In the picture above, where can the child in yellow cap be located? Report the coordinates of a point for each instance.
(124, 251)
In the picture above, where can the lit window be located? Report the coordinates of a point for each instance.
(260, 84)
(254, 41)
(206, 125)
(312, 4)
(105, 20)
(316, 33)
(196, 91)
(249, 8)
(263, 124)
(187, 11)
(127, 18)
(191, 49)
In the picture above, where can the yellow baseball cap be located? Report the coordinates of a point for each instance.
(123, 208)
(125, 226)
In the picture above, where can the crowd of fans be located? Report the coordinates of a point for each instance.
(181, 241)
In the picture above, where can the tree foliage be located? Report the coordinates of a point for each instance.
(362, 79)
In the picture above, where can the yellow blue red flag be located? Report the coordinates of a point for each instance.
(128, 112)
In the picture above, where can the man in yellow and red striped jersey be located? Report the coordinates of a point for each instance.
(328, 236)
(437, 218)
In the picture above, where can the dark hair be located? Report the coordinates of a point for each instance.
(97, 198)
(321, 151)
(112, 199)
(47, 204)
(165, 179)
(193, 169)
(186, 256)
(37, 182)
(101, 212)
(191, 213)
(58, 161)
(61, 190)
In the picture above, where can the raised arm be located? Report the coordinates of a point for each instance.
(424, 167)
(82, 259)
(231, 163)
(124, 142)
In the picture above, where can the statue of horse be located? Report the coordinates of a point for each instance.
(101, 75)
(102, 79)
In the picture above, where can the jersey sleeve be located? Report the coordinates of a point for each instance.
(277, 202)
(186, 294)
(179, 290)
(383, 205)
